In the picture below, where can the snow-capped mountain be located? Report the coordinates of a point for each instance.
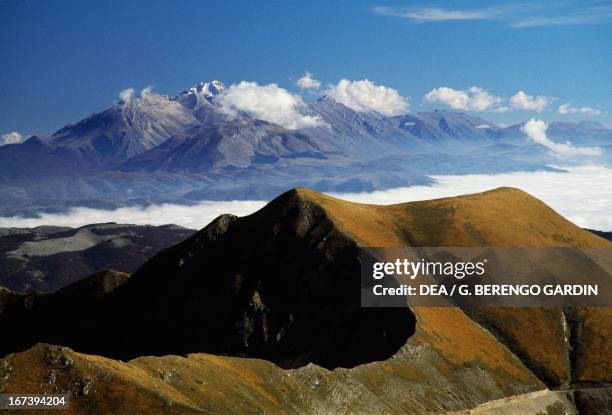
(199, 100)
(200, 94)
(150, 147)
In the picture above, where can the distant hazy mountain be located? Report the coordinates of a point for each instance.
(448, 129)
(236, 144)
(126, 129)
(151, 148)
(38, 157)
(363, 135)
(583, 133)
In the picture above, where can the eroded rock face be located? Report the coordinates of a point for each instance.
(284, 290)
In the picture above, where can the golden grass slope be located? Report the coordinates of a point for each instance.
(202, 383)
(504, 217)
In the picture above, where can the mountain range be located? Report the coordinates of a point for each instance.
(152, 148)
(262, 314)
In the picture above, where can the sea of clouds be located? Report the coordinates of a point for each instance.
(583, 195)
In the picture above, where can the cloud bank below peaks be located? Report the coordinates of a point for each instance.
(266, 102)
(536, 131)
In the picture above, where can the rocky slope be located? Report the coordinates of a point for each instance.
(126, 129)
(47, 258)
(239, 144)
(282, 286)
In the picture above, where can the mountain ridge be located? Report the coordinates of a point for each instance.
(285, 260)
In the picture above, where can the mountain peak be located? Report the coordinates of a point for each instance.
(206, 89)
(200, 95)
(327, 99)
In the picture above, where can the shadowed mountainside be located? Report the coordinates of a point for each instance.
(46, 258)
(278, 285)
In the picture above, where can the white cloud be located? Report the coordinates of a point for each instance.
(567, 109)
(11, 138)
(483, 126)
(581, 16)
(308, 82)
(523, 101)
(536, 130)
(502, 109)
(478, 99)
(365, 96)
(147, 92)
(433, 14)
(126, 94)
(553, 21)
(267, 102)
(516, 16)
(471, 99)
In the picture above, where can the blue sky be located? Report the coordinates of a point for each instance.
(63, 60)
